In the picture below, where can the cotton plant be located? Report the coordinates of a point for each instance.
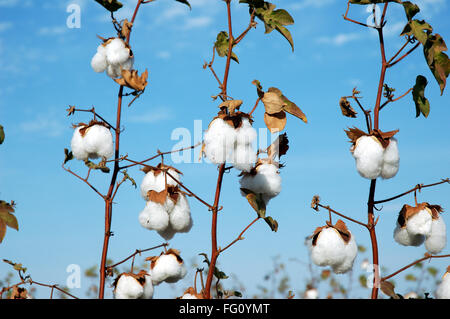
(420, 224)
(168, 267)
(167, 210)
(92, 141)
(113, 56)
(133, 286)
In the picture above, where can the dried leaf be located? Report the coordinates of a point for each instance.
(2, 230)
(279, 147)
(231, 105)
(346, 109)
(110, 5)
(388, 289)
(256, 201)
(315, 202)
(157, 197)
(68, 156)
(343, 230)
(185, 2)
(354, 134)
(384, 137)
(259, 88)
(132, 80)
(126, 28)
(19, 293)
(71, 110)
(273, 102)
(275, 122)
(273, 224)
(293, 109)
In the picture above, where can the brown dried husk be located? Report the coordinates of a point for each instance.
(339, 227)
(85, 127)
(408, 211)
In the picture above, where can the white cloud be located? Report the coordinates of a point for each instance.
(340, 39)
(163, 55)
(8, 3)
(430, 7)
(309, 4)
(197, 22)
(55, 30)
(153, 116)
(46, 125)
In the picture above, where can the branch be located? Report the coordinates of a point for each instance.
(396, 99)
(240, 236)
(252, 24)
(354, 21)
(85, 180)
(137, 252)
(343, 216)
(72, 111)
(404, 55)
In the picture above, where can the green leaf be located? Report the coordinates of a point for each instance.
(2, 134)
(410, 277)
(437, 60)
(285, 33)
(411, 9)
(419, 29)
(256, 201)
(68, 156)
(432, 271)
(222, 44)
(273, 224)
(185, 2)
(422, 103)
(110, 5)
(128, 177)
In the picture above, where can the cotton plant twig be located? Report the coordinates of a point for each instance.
(239, 237)
(329, 209)
(137, 252)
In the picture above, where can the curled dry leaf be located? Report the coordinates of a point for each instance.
(340, 227)
(346, 109)
(354, 134)
(19, 293)
(388, 289)
(126, 28)
(315, 202)
(231, 105)
(384, 137)
(273, 102)
(132, 80)
(275, 122)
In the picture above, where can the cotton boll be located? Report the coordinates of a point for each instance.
(189, 296)
(436, 242)
(128, 287)
(117, 52)
(329, 249)
(443, 290)
(157, 183)
(114, 71)
(350, 251)
(311, 293)
(217, 153)
(220, 140)
(167, 268)
(368, 154)
(403, 237)
(154, 216)
(420, 223)
(246, 134)
(78, 145)
(267, 181)
(244, 157)
(99, 142)
(98, 62)
(180, 217)
(128, 64)
(148, 288)
(167, 233)
(391, 160)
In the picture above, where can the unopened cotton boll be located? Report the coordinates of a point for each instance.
(246, 134)
(437, 241)
(244, 157)
(368, 154)
(420, 223)
(443, 290)
(329, 249)
(350, 251)
(99, 142)
(267, 181)
(78, 146)
(128, 287)
(167, 268)
(391, 160)
(154, 216)
(403, 237)
(180, 216)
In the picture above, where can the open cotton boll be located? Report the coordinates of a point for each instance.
(391, 160)
(148, 288)
(443, 290)
(189, 296)
(420, 223)
(244, 157)
(157, 183)
(99, 142)
(113, 71)
(436, 242)
(368, 154)
(154, 217)
(220, 140)
(98, 62)
(403, 237)
(117, 52)
(267, 181)
(180, 216)
(245, 134)
(167, 233)
(311, 293)
(329, 249)
(128, 287)
(217, 153)
(350, 251)
(167, 268)
(77, 145)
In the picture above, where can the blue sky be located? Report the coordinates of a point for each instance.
(45, 67)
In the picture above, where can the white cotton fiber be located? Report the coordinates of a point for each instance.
(311, 293)
(128, 287)
(220, 140)
(329, 249)
(113, 71)
(157, 183)
(167, 233)
(154, 216)
(99, 63)
(189, 296)
(246, 134)
(436, 242)
(99, 142)
(180, 216)
(77, 146)
(244, 157)
(267, 181)
(420, 223)
(391, 160)
(148, 288)
(368, 154)
(443, 290)
(117, 52)
(350, 251)
(168, 269)
(403, 237)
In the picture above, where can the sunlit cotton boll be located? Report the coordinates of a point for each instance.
(220, 140)
(329, 249)
(117, 52)
(403, 237)
(98, 62)
(128, 288)
(246, 134)
(99, 142)
(267, 181)
(437, 241)
(148, 288)
(420, 223)
(391, 160)
(167, 268)
(78, 146)
(180, 216)
(167, 233)
(157, 183)
(154, 217)
(368, 154)
(113, 71)
(350, 251)
(443, 290)
(311, 293)
(244, 157)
